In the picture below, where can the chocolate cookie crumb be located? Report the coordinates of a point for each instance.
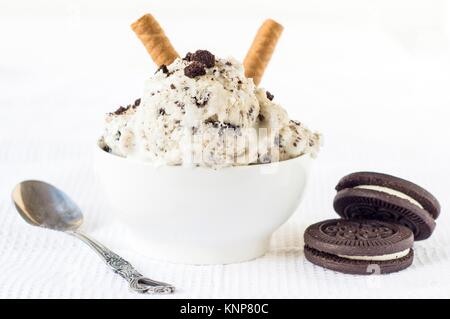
(188, 57)
(269, 95)
(181, 106)
(224, 125)
(194, 69)
(228, 63)
(231, 126)
(261, 117)
(163, 68)
(120, 110)
(162, 112)
(106, 148)
(205, 57)
(201, 102)
(123, 109)
(172, 86)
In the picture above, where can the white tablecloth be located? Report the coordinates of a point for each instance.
(377, 89)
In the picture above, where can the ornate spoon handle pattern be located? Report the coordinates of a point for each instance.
(120, 266)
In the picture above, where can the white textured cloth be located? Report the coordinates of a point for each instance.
(380, 99)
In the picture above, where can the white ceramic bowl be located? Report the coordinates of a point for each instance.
(200, 215)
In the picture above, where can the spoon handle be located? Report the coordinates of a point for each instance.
(120, 266)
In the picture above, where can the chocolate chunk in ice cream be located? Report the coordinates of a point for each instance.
(194, 69)
(188, 56)
(123, 109)
(163, 68)
(269, 95)
(205, 57)
(120, 110)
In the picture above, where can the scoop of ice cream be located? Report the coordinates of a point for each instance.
(203, 111)
(279, 137)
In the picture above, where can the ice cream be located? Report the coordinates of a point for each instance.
(203, 111)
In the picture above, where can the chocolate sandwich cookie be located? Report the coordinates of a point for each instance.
(359, 247)
(369, 195)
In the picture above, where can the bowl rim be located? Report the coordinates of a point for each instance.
(99, 150)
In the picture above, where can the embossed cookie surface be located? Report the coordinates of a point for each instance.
(359, 247)
(369, 195)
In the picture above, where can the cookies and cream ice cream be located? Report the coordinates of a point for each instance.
(203, 111)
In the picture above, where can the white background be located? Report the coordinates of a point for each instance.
(372, 76)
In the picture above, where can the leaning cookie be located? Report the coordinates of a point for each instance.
(369, 195)
(359, 247)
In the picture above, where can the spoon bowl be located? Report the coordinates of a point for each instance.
(44, 205)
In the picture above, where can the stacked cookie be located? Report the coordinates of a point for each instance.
(382, 216)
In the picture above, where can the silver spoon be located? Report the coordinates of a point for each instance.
(44, 205)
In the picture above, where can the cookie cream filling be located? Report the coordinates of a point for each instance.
(393, 256)
(391, 191)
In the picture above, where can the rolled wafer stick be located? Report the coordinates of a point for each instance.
(259, 54)
(154, 39)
